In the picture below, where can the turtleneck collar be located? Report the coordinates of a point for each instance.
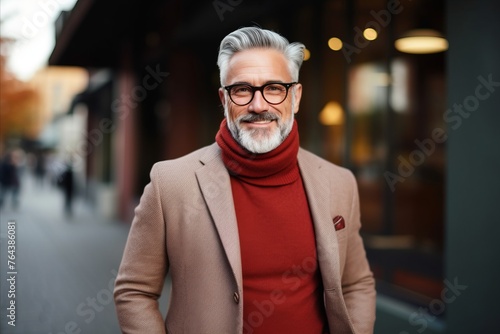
(274, 168)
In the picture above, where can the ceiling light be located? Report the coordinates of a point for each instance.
(335, 43)
(332, 114)
(307, 54)
(370, 34)
(421, 41)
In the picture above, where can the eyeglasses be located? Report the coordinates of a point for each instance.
(273, 92)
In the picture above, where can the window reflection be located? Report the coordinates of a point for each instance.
(391, 104)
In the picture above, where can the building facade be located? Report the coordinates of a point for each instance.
(411, 126)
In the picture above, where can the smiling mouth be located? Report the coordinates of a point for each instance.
(262, 118)
(260, 122)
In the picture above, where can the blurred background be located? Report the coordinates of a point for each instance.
(404, 93)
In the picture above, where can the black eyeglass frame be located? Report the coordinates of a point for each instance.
(287, 86)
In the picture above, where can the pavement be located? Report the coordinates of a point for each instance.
(62, 277)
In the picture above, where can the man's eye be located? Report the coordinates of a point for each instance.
(274, 88)
(241, 90)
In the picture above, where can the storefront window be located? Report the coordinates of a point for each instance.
(379, 113)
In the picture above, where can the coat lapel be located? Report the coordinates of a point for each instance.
(215, 186)
(318, 191)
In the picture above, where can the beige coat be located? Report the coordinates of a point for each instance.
(186, 225)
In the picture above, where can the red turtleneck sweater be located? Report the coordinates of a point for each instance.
(282, 290)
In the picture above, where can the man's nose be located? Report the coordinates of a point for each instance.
(258, 104)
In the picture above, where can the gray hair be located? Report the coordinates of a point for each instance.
(254, 37)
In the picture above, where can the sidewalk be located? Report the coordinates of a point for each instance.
(65, 267)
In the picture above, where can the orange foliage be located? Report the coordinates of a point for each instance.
(18, 107)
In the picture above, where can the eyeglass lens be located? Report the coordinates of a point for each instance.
(273, 93)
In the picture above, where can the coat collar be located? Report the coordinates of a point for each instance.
(215, 186)
(319, 196)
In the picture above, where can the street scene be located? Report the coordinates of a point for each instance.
(395, 101)
(64, 266)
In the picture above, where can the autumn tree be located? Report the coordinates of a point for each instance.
(19, 116)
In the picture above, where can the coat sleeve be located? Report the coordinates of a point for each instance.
(143, 268)
(358, 284)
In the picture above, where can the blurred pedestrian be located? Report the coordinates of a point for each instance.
(40, 169)
(67, 184)
(9, 180)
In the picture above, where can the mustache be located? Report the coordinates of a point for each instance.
(263, 116)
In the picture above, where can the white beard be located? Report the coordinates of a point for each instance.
(260, 140)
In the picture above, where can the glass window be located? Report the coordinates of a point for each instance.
(378, 111)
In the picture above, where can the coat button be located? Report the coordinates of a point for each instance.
(236, 297)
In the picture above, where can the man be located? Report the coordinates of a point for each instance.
(258, 235)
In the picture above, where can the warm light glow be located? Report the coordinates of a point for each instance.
(370, 34)
(382, 79)
(307, 54)
(422, 41)
(335, 43)
(332, 114)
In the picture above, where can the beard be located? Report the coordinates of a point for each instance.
(260, 140)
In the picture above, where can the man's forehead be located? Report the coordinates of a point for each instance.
(258, 52)
(258, 61)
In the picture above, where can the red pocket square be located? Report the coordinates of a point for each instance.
(339, 223)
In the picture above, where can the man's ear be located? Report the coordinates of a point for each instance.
(222, 96)
(297, 90)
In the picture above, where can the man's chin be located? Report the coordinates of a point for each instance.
(256, 139)
(260, 141)
(260, 133)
